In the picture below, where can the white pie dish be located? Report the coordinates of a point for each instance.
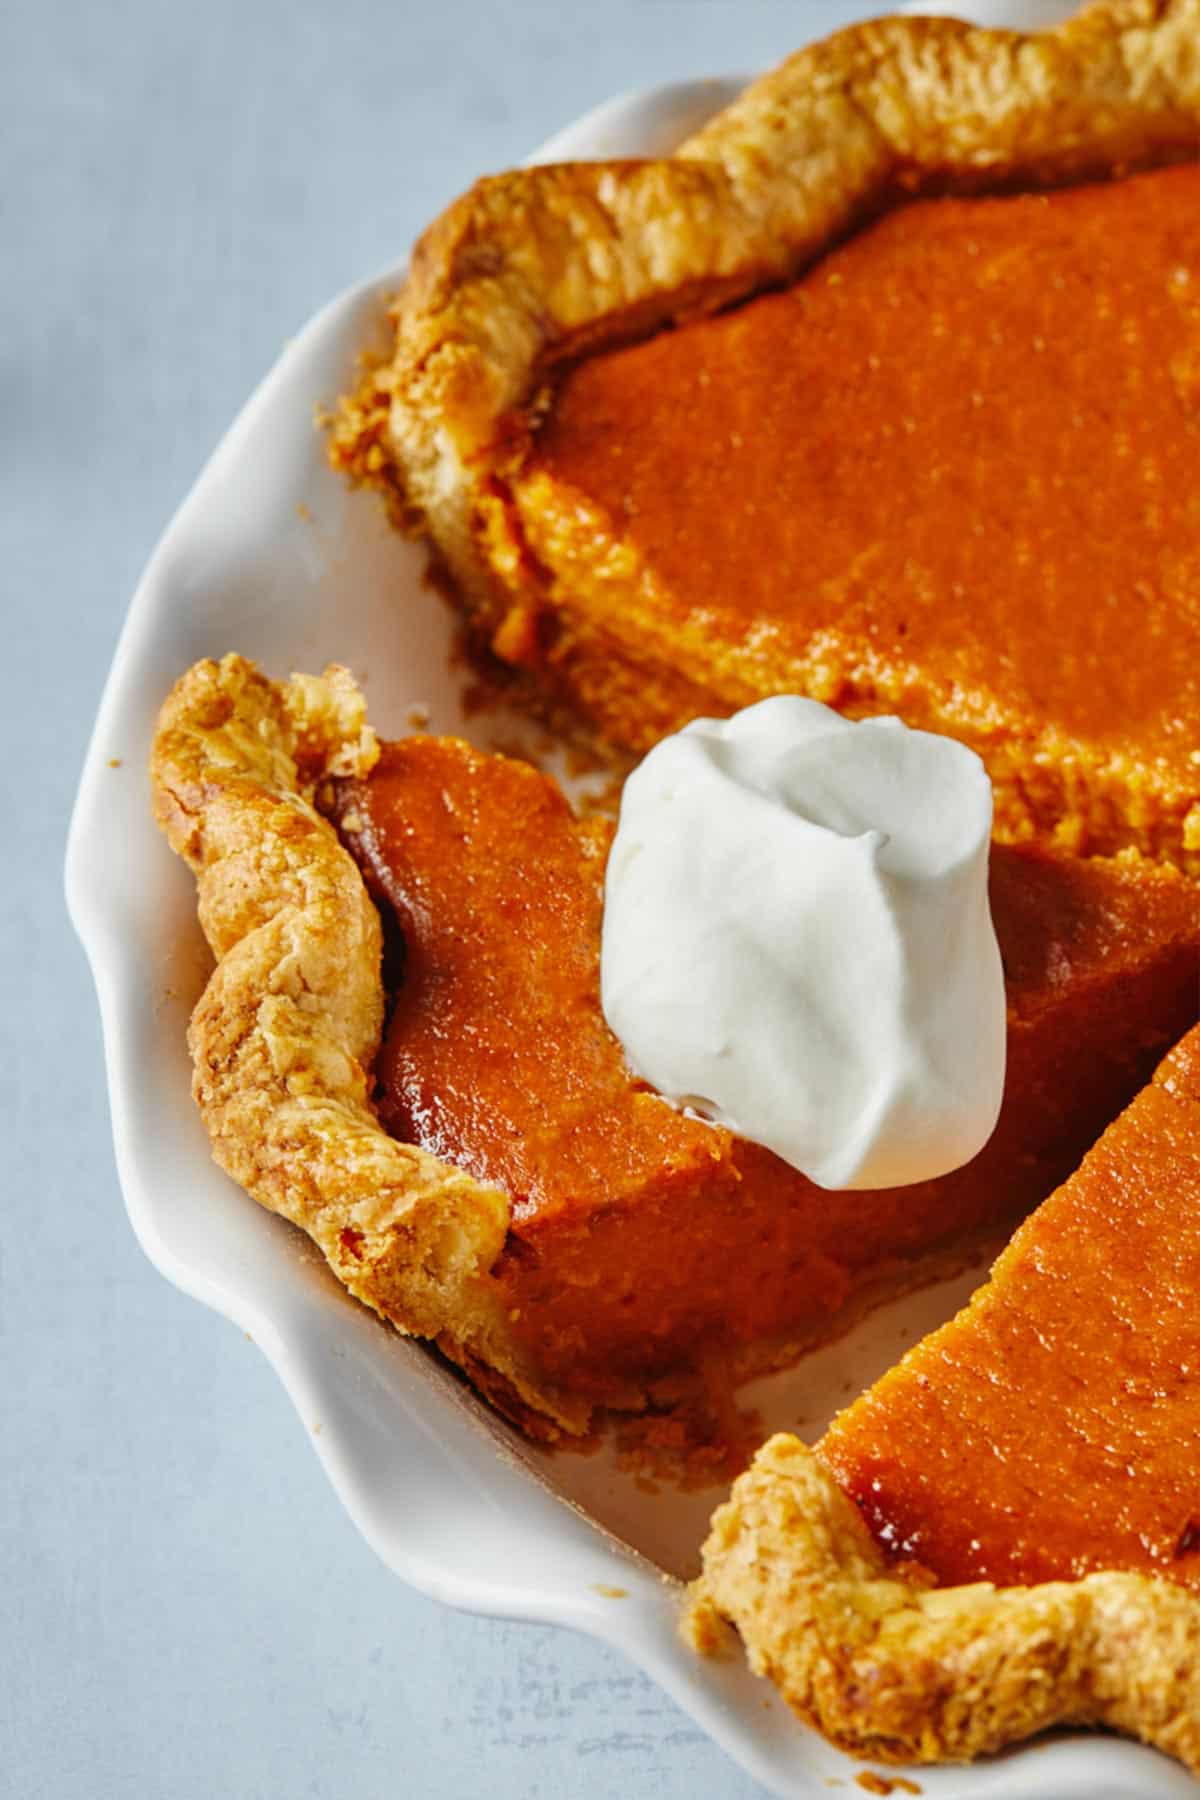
(270, 555)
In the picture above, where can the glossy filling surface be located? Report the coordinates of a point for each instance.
(642, 1240)
(1054, 1426)
(956, 466)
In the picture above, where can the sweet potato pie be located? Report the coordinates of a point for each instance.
(885, 388)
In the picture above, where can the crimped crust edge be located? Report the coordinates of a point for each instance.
(284, 1036)
(888, 1666)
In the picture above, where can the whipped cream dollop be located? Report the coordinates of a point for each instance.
(798, 944)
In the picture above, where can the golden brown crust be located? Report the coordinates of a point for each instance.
(284, 1034)
(540, 264)
(890, 1667)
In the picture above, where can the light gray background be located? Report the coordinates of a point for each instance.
(184, 1609)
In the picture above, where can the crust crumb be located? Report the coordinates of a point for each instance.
(703, 1629)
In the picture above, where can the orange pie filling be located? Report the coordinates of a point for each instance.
(645, 1245)
(954, 473)
(1053, 1427)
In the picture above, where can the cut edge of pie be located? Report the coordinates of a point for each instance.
(840, 1606)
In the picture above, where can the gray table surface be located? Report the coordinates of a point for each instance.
(186, 1610)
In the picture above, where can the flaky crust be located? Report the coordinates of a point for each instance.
(890, 1667)
(283, 1037)
(540, 264)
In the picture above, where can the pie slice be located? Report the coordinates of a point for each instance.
(1049, 1434)
(1053, 1427)
(950, 471)
(490, 1175)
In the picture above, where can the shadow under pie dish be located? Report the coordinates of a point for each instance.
(882, 389)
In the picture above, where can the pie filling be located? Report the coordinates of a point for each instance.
(1053, 1427)
(646, 1245)
(953, 472)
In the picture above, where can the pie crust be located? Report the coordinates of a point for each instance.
(283, 1038)
(535, 267)
(890, 1667)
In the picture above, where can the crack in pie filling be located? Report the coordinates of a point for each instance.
(883, 389)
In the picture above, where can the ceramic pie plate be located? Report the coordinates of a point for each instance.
(271, 555)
